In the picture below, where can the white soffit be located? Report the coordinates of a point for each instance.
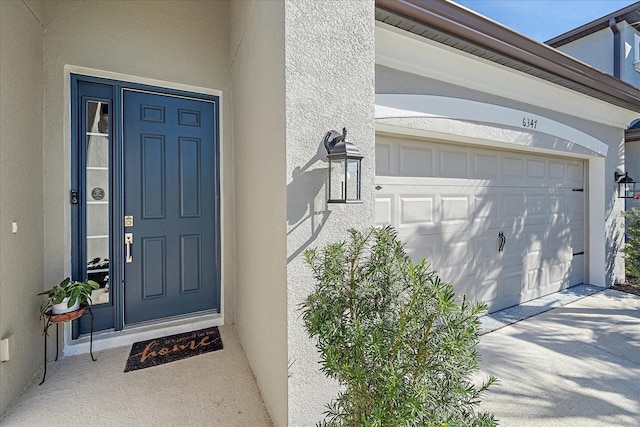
(408, 52)
(399, 106)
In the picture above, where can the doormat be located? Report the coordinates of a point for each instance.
(174, 347)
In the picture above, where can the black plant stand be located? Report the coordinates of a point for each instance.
(50, 318)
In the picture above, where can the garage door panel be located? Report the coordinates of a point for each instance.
(575, 174)
(576, 270)
(383, 159)
(454, 209)
(417, 210)
(512, 206)
(536, 169)
(510, 285)
(557, 170)
(455, 254)
(417, 162)
(449, 203)
(575, 208)
(485, 207)
(486, 248)
(533, 259)
(512, 166)
(486, 290)
(453, 163)
(383, 211)
(557, 203)
(453, 275)
(577, 236)
(485, 166)
(514, 249)
(536, 276)
(430, 252)
(559, 274)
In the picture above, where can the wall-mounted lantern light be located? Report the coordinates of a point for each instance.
(626, 185)
(344, 168)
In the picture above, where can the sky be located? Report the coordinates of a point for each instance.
(544, 19)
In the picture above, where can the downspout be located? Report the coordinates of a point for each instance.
(616, 47)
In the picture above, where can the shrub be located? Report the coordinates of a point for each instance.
(632, 245)
(396, 338)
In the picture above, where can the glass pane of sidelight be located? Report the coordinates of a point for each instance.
(97, 198)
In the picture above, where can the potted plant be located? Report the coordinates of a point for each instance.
(67, 296)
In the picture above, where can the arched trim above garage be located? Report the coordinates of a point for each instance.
(404, 109)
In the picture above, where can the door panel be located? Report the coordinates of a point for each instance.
(170, 188)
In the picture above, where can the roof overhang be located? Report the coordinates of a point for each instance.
(457, 27)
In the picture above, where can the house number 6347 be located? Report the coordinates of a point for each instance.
(529, 123)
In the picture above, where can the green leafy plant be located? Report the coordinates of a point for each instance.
(397, 338)
(72, 289)
(632, 245)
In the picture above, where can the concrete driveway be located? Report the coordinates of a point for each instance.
(575, 365)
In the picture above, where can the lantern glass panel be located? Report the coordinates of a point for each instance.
(627, 189)
(337, 185)
(353, 179)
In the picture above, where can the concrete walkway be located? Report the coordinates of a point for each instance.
(213, 389)
(575, 365)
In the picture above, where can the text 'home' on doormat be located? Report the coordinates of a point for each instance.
(174, 347)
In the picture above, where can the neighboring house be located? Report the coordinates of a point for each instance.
(612, 44)
(494, 156)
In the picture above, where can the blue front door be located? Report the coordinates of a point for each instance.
(170, 205)
(144, 201)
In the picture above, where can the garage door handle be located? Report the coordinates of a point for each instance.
(502, 241)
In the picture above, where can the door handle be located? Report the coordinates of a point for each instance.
(128, 241)
(502, 241)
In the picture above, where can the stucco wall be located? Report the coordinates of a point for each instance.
(257, 73)
(390, 81)
(329, 69)
(21, 256)
(595, 49)
(180, 42)
(629, 51)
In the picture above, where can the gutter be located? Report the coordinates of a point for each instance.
(616, 46)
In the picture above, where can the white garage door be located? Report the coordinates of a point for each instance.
(502, 227)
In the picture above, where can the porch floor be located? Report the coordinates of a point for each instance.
(216, 388)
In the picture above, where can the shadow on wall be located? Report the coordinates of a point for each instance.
(307, 210)
(615, 231)
(615, 236)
